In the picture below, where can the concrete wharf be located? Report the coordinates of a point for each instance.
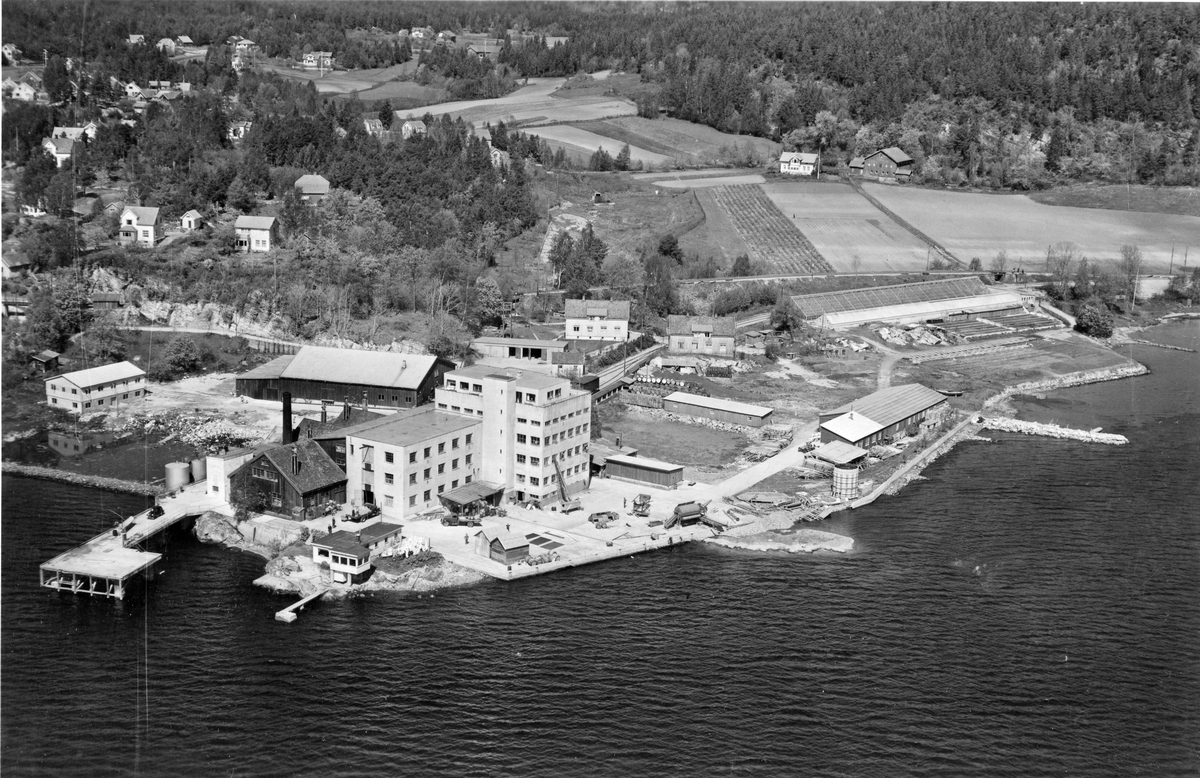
(290, 613)
(104, 565)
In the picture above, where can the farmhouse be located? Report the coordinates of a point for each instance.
(255, 233)
(379, 378)
(318, 60)
(59, 148)
(75, 133)
(701, 334)
(312, 188)
(499, 158)
(295, 480)
(411, 127)
(11, 53)
(140, 226)
(856, 166)
(192, 220)
(718, 409)
(519, 348)
(485, 49)
(96, 389)
(797, 163)
(923, 301)
(889, 163)
(879, 416)
(373, 125)
(597, 319)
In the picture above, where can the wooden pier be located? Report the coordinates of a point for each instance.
(104, 565)
(290, 613)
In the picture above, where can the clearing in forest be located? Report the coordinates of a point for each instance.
(580, 143)
(776, 245)
(687, 144)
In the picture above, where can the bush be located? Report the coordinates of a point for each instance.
(1095, 319)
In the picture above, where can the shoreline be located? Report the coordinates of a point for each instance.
(82, 479)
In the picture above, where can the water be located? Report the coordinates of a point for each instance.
(1032, 609)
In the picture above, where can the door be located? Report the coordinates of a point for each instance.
(368, 496)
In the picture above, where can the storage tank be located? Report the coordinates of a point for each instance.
(199, 469)
(845, 481)
(178, 475)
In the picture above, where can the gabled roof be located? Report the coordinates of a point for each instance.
(415, 124)
(184, 40)
(338, 421)
(254, 222)
(890, 405)
(613, 310)
(719, 404)
(144, 216)
(509, 541)
(61, 145)
(718, 326)
(312, 184)
(317, 470)
(45, 356)
(852, 426)
(193, 214)
(856, 162)
(356, 366)
(117, 371)
(894, 154)
(802, 157)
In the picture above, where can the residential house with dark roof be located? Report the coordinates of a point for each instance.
(255, 233)
(140, 226)
(295, 480)
(597, 320)
(701, 335)
(888, 163)
(312, 188)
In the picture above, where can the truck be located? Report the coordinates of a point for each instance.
(686, 514)
(603, 519)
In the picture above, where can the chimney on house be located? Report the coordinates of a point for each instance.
(346, 407)
(287, 418)
(295, 463)
(324, 411)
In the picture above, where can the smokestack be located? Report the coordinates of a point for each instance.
(295, 463)
(324, 410)
(287, 418)
(346, 407)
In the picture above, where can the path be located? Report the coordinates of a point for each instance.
(788, 457)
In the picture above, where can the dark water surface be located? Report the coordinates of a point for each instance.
(1033, 609)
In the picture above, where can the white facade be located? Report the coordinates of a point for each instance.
(96, 390)
(797, 163)
(218, 468)
(597, 328)
(535, 428)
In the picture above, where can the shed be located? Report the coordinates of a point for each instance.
(464, 497)
(507, 548)
(519, 348)
(46, 360)
(644, 471)
(718, 409)
(837, 452)
(191, 220)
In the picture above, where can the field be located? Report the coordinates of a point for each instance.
(704, 183)
(686, 143)
(980, 225)
(535, 103)
(1181, 200)
(844, 225)
(776, 246)
(681, 444)
(716, 237)
(577, 142)
(343, 82)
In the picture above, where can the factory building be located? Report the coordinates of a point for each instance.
(879, 416)
(718, 409)
(943, 300)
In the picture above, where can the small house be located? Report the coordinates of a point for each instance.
(373, 126)
(412, 127)
(318, 60)
(856, 166)
(166, 46)
(484, 50)
(11, 53)
(14, 264)
(23, 91)
(597, 320)
(192, 220)
(135, 40)
(313, 188)
(183, 40)
(507, 548)
(134, 92)
(46, 361)
(797, 163)
(59, 148)
(889, 163)
(349, 553)
(140, 226)
(701, 335)
(499, 158)
(105, 301)
(238, 130)
(447, 36)
(255, 233)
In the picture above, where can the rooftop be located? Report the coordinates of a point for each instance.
(117, 371)
(272, 369)
(254, 222)
(893, 404)
(719, 404)
(720, 326)
(415, 428)
(852, 426)
(313, 184)
(839, 453)
(143, 215)
(617, 310)
(317, 470)
(529, 342)
(356, 366)
(812, 306)
(649, 464)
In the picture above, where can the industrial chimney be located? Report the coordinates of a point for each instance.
(287, 418)
(295, 463)
(324, 410)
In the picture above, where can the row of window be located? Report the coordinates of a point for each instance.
(534, 440)
(100, 388)
(389, 478)
(550, 479)
(112, 401)
(459, 409)
(465, 386)
(389, 500)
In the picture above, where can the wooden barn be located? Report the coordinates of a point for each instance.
(643, 470)
(879, 416)
(507, 548)
(294, 480)
(718, 409)
(374, 378)
(888, 163)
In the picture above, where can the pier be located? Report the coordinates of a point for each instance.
(104, 565)
(291, 612)
(1004, 424)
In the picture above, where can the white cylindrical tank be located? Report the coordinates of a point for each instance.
(199, 469)
(845, 481)
(178, 475)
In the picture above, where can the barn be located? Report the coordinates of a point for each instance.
(643, 470)
(879, 416)
(507, 548)
(375, 378)
(890, 163)
(945, 299)
(718, 409)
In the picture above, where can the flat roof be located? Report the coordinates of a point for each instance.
(117, 371)
(493, 340)
(413, 429)
(104, 556)
(852, 426)
(644, 463)
(357, 366)
(719, 404)
(839, 453)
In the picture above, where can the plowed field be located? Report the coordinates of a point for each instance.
(776, 245)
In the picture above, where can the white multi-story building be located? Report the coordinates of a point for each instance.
(597, 320)
(535, 428)
(96, 390)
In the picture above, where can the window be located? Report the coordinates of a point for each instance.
(456, 409)
(520, 459)
(467, 480)
(368, 467)
(388, 478)
(412, 500)
(454, 484)
(467, 460)
(381, 397)
(522, 421)
(388, 501)
(477, 387)
(264, 474)
(73, 392)
(441, 488)
(441, 448)
(443, 407)
(520, 438)
(537, 423)
(531, 398)
(426, 495)
(389, 457)
(535, 461)
(125, 396)
(441, 468)
(412, 457)
(454, 464)
(535, 441)
(533, 479)
(427, 474)
(427, 452)
(100, 402)
(87, 405)
(135, 394)
(469, 437)
(454, 443)
(412, 478)
(520, 478)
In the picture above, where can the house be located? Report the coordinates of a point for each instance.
(717, 409)
(349, 553)
(507, 548)
(294, 480)
(46, 360)
(166, 46)
(106, 301)
(318, 60)
(192, 220)
(421, 33)
(701, 335)
(238, 130)
(134, 40)
(856, 166)
(25, 92)
(879, 416)
(798, 163)
(14, 305)
(245, 46)
(11, 53)
(76, 133)
(96, 389)
(140, 226)
(255, 233)
(134, 92)
(411, 127)
(555, 40)
(373, 126)
(59, 148)
(313, 188)
(888, 163)
(499, 158)
(183, 40)
(485, 49)
(14, 264)
(597, 320)
(446, 36)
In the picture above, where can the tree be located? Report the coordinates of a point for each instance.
(1095, 319)
(742, 266)
(37, 175)
(668, 246)
(623, 272)
(60, 194)
(785, 315)
(44, 321)
(57, 81)
(1056, 149)
(489, 304)
(1130, 267)
(239, 196)
(104, 342)
(1061, 260)
(976, 264)
(999, 263)
(623, 157)
(181, 357)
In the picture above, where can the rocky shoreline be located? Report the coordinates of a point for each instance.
(80, 479)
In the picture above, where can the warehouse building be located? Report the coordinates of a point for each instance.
(880, 416)
(950, 299)
(643, 471)
(375, 378)
(519, 348)
(718, 409)
(96, 389)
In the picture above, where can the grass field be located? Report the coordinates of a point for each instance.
(681, 444)
(537, 103)
(1181, 200)
(343, 82)
(716, 237)
(584, 142)
(843, 225)
(704, 183)
(980, 225)
(685, 142)
(776, 246)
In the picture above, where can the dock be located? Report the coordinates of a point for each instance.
(290, 613)
(104, 565)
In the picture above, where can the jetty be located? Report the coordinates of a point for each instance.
(291, 612)
(1005, 424)
(104, 565)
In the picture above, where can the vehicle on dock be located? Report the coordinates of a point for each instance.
(688, 513)
(641, 505)
(571, 505)
(461, 521)
(603, 518)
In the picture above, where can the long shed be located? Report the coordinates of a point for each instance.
(879, 416)
(643, 470)
(718, 409)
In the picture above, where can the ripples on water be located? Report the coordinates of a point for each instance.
(1030, 610)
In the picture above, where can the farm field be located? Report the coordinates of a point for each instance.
(980, 225)
(716, 237)
(703, 183)
(343, 82)
(582, 141)
(683, 175)
(845, 226)
(530, 105)
(776, 245)
(686, 143)
(1182, 200)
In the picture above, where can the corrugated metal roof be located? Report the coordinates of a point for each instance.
(719, 326)
(355, 366)
(922, 311)
(719, 404)
(465, 495)
(896, 403)
(254, 222)
(813, 305)
(118, 371)
(853, 426)
(272, 369)
(839, 453)
(614, 310)
(643, 462)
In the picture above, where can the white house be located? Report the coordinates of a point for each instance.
(166, 46)
(797, 163)
(255, 233)
(23, 91)
(60, 148)
(11, 53)
(134, 92)
(192, 220)
(75, 133)
(318, 60)
(499, 158)
(140, 226)
(597, 320)
(136, 39)
(312, 188)
(238, 130)
(348, 553)
(96, 389)
(411, 127)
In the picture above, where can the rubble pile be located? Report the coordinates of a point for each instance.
(695, 420)
(915, 335)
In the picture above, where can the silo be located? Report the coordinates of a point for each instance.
(178, 475)
(199, 469)
(845, 482)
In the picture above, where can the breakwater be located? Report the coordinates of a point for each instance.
(1161, 345)
(1071, 379)
(1004, 424)
(82, 479)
